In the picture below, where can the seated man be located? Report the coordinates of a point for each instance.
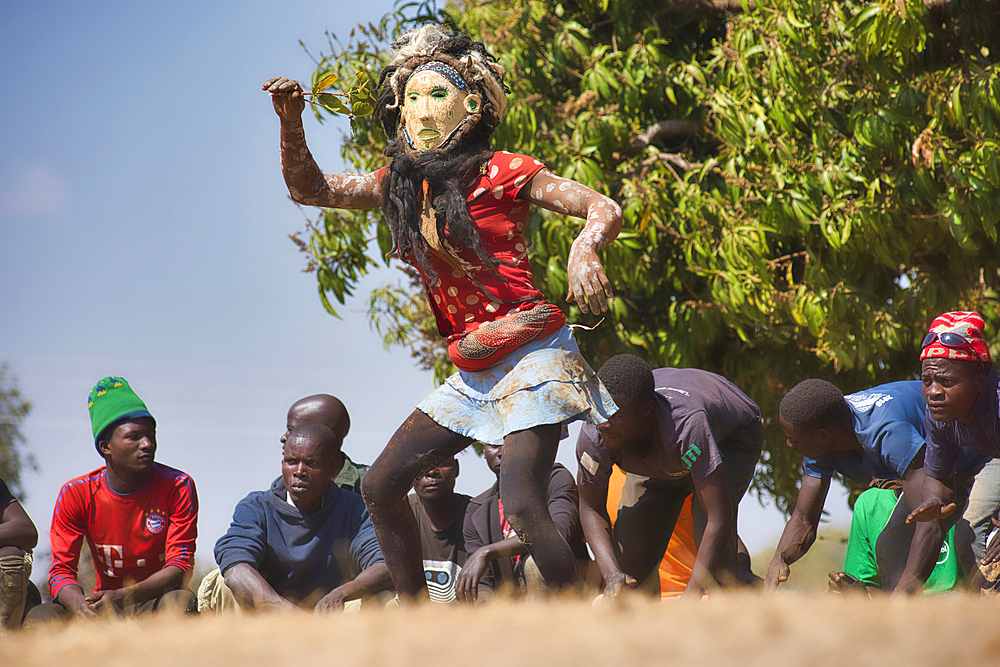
(440, 514)
(18, 537)
(962, 392)
(305, 543)
(875, 437)
(497, 558)
(139, 517)
(676, 432)
(863, 571)
(331, 413)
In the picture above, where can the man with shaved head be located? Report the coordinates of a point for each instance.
(329, 411)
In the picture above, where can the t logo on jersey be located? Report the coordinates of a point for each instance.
(691, 455)
(112, 555)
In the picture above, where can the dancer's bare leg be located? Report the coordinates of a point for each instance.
(416, 447)
(524, 475)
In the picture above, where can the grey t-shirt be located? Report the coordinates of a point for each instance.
(696, 411)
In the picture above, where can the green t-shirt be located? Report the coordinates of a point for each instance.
(871, 513)
(350, 475)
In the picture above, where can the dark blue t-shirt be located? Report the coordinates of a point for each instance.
(889, 423)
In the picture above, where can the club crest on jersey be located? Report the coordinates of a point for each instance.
(155, 522)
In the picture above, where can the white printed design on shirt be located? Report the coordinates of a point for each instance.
(589, 464)
(865, 402)
(112, 555)
(441, 575)
(944, 553)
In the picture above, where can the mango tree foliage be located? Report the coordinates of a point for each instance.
(805, 184)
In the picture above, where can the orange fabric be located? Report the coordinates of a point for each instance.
(678, 560)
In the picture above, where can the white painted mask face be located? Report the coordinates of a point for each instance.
(433, 107)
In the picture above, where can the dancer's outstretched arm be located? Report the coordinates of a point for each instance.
(307, 184)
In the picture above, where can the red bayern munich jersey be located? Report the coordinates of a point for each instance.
(131, 536)
(500, 215)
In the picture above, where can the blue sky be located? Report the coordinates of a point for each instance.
(144, 229)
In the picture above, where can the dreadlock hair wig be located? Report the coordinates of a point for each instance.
(813, 404)
(629, 378)
(450, 166)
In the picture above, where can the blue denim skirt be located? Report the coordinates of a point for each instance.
(546, 381)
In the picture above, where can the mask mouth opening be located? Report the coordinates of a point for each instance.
(448, 140)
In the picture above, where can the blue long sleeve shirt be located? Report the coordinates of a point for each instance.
(301, 556)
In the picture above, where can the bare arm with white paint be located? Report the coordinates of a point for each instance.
(307, 184)
(588, 285)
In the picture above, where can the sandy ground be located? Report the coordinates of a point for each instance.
(787, 629)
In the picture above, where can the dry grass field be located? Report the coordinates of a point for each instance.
(738, 629)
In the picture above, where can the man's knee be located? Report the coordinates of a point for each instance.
(15, 569)
(215, 597)
(525, 516)
(46, 612)
(380, 486)
(181, 601)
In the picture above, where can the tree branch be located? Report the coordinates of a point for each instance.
(664, 128)
(671, 158)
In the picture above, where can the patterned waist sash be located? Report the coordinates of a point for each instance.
(480, 349)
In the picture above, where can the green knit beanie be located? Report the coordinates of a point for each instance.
(113, 401)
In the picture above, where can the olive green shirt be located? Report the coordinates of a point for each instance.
(350, 475)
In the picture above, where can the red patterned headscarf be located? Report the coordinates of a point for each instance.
(969, 326)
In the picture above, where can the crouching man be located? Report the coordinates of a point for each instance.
(678, 432)
(18, 537)
(304, 543)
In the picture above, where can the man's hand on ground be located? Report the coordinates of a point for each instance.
(106, 601)
(777, 573)
(84, 610)
(841, 582)
(332, 601)
(467, 584)
(992, 554)
(616, 583)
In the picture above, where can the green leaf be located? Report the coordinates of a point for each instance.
(325, 82)
(332, 103)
